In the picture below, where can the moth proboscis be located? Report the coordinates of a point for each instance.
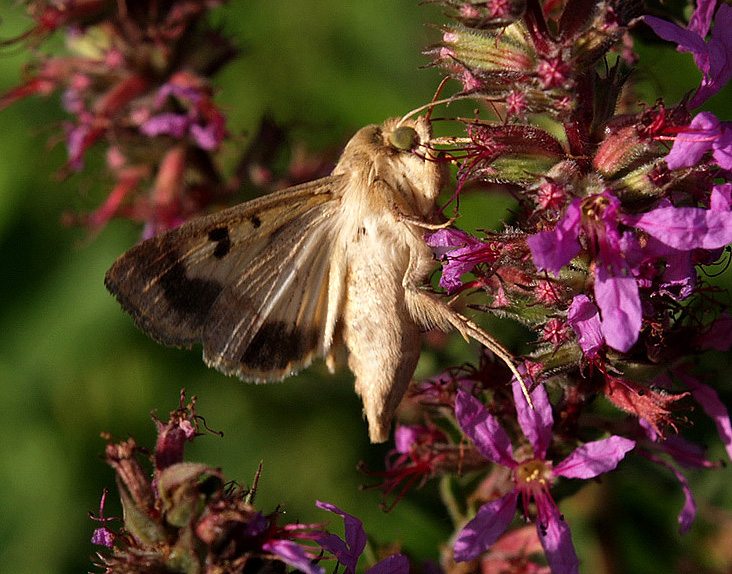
(271, 284)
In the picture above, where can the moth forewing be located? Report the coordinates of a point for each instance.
(242, 281)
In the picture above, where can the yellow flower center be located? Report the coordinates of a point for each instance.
(594, 207)
(534, 475)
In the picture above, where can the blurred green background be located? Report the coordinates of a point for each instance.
(73, 365)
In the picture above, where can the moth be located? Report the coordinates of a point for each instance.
(269, 285)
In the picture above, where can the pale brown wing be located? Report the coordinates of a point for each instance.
(250, 282)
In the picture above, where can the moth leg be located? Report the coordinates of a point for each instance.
(430, 312)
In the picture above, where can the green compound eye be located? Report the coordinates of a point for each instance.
(404, 138)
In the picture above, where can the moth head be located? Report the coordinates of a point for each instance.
(399, 154)
(414, 167)
(404, 138)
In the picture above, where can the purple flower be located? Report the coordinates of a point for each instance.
(616, 290)
(533, 475)
(584, 318)
(678, 449)
(685, 453)
(688, 228)
(173, 435)
(688, 510)
(713, 58)
(174, 125)
(461, 253)
(715, 409)
(79, 137)
(719, 335)
(405, 436)
(202, 121)
(207, 137)
(182, 89)
(293, 554)
(348, 551)
(103, 535)
(675, 232)
(704, 133)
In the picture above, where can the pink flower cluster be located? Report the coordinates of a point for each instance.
(616, 213)
(135, 81)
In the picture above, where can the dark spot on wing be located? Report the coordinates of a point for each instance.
(256, 222)
(277, 345)
(191, 297)
(223, 244)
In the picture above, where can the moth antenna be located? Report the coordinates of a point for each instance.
(438, 91)
(430, 106)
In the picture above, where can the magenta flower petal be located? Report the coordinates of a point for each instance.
(537, 422)
(489, 523)
(719, 336)
(714, 58)
(477, 423)
(394, 564)
(584, 318)
(293, 554)
(687, 40)
(679, 277)
(595, 458)
(448, 244)
(460, 253)
(685, 228)
(687, 454)
(206, 137)
(715, 409)
(617, 295)
(444, 239)
(701, 19)
(721, 197)
(332, 543)
(103, 536)
(174, 125)
(718, 57)
(185, 93)
(553, 249)
(405, 436)
(692, 143)
(349, 551)
(453, 271)
(557, 542)
(688, 510)
(722, 147)
(354, 534)
(77, 142)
